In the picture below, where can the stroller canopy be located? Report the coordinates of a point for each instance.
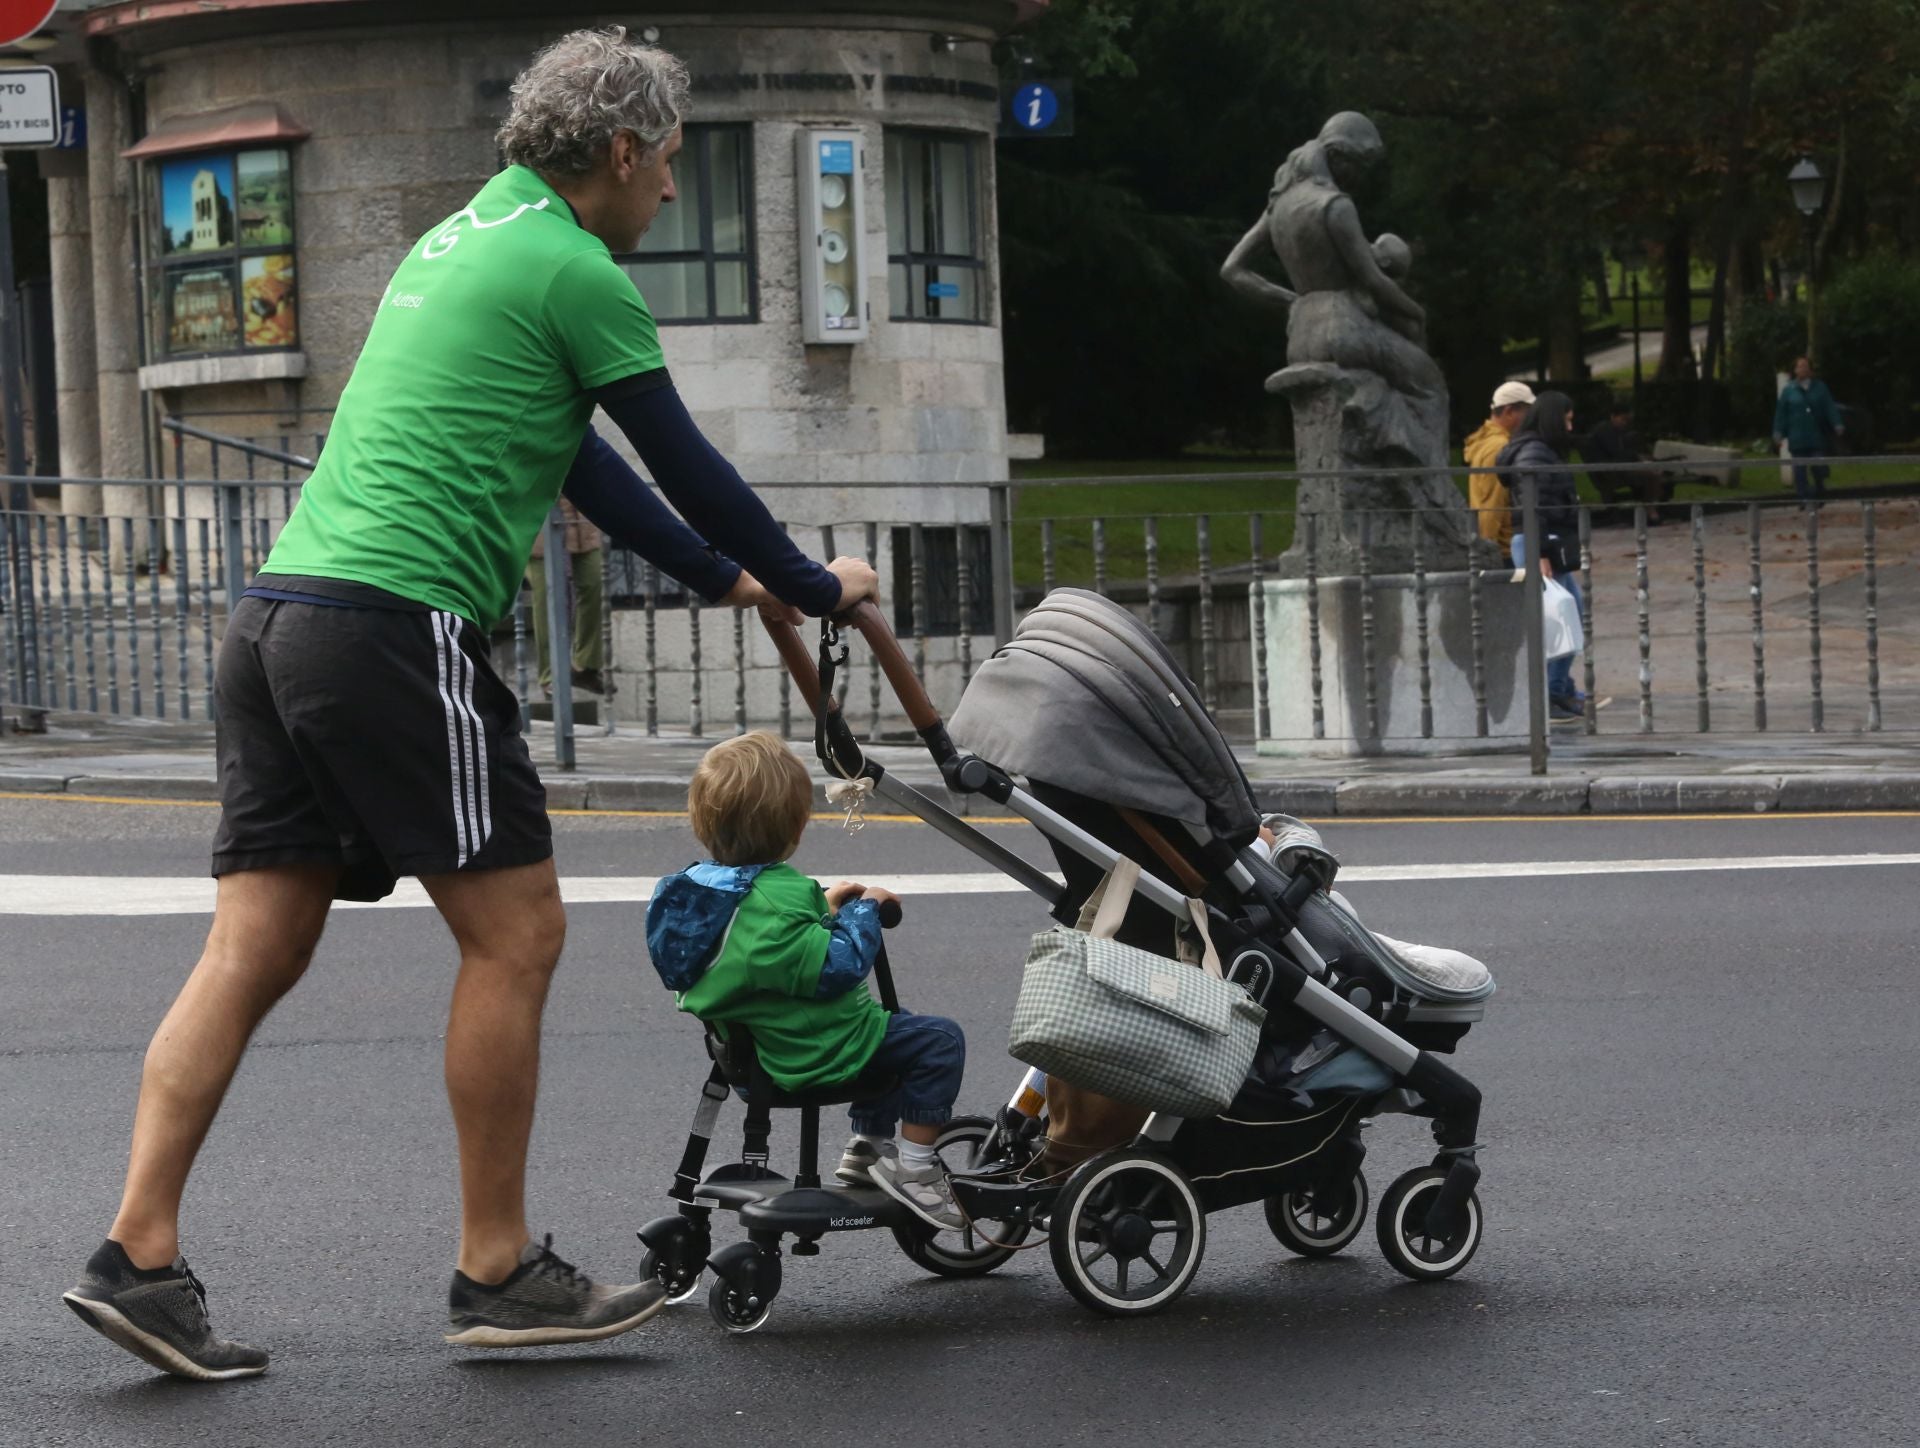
(1086, 698)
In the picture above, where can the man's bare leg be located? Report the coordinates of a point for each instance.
(266, 924)
(510, 927)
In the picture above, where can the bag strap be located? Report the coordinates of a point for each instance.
(1107, 906)
(1209, 957)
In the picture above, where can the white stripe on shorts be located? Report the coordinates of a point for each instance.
(480, 794)
(462, 668)
(454, 739)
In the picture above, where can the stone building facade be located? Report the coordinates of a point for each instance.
(255, 170)
(385, 115)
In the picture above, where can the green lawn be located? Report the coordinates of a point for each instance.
(1227, 504)
(1177, 492)
(1652, 314)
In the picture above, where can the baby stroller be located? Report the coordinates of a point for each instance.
(1119, 758)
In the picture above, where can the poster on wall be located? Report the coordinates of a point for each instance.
(200, 311)
(265, 190)
(196, 205)
(267, 298)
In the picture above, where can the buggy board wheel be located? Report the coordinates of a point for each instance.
(1127, 1233)
(680, 1277)
(977, 1248)
(734, 1310)
(1319, 1223)
(1403, 1232)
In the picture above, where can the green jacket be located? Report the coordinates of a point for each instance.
(767, 977)
(1807, 418)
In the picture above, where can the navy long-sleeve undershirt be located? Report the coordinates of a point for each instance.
(724, 513)
(618, 501)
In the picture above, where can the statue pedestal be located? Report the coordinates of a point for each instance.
(1394, 607)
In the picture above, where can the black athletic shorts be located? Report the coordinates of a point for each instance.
(377, 739)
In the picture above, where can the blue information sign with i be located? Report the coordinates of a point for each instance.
(1035, 107)
(836, 158)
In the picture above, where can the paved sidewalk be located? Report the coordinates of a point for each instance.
(1604, 774)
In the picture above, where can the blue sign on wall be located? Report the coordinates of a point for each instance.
(1039, 108)
(73, 129)
(1035, 107)
(836, 158)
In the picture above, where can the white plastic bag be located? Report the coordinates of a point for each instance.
(1562, 616)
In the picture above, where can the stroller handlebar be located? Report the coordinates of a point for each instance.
(867, 619)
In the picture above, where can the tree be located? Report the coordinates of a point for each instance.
(1521, 144)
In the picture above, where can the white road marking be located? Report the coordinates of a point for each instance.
(159, 895)
(1514, 869)
(155, 895)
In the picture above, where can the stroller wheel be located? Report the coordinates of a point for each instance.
(1127, 1233)
(681, 1279)
(1319, 1223)
(733, 1309)
(979, 1247)
(1403, 1232)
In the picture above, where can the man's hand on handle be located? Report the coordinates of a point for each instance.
(857, 581)
(750, 592)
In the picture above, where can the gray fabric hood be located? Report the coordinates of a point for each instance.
(1086, 698)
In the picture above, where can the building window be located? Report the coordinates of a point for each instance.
(696, 262)
(940, 578)
(934, 268)
(222, 247)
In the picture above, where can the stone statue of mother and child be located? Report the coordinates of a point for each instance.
(1367, 398)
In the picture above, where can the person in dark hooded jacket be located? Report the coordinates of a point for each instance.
(1538, 452)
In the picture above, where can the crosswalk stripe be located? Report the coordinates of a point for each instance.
(110, 895)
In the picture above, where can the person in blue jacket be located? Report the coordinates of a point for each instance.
(1808, 422)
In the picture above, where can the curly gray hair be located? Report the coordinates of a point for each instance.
(583, 88)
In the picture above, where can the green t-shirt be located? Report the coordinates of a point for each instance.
(468, 404)
(765, 978)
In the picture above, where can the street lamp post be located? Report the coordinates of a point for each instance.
(1633, 256)
(1809, 190)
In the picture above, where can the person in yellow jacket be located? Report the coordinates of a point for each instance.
(1485, 492)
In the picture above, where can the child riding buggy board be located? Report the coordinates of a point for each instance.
(1121, 761)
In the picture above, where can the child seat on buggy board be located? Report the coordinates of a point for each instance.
(747, 1275)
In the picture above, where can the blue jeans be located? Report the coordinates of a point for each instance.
(928, 1054)
(1560, 685)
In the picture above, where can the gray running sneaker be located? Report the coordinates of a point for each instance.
(924, 1191)
(160, 1316)
(857, 1161)
(545, 1300)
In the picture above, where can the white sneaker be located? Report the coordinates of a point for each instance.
(857, 1161)
(922, 1190)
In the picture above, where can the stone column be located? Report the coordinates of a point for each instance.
(116, 300)
(75, 361)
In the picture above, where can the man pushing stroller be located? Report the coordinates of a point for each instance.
(745, 940)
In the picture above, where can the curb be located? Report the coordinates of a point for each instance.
(1312, 798)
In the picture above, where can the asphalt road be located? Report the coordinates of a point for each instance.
(1702, 1150)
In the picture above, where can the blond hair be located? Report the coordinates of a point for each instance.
(582, 89)
(750, 799)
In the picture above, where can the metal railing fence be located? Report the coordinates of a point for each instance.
(1742, 613)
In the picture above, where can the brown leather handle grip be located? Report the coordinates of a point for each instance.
(894, 663)
(799, 661)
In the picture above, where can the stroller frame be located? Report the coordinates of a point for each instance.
(1117, 1204)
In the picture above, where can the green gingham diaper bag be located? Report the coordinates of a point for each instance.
(1138, 1027)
